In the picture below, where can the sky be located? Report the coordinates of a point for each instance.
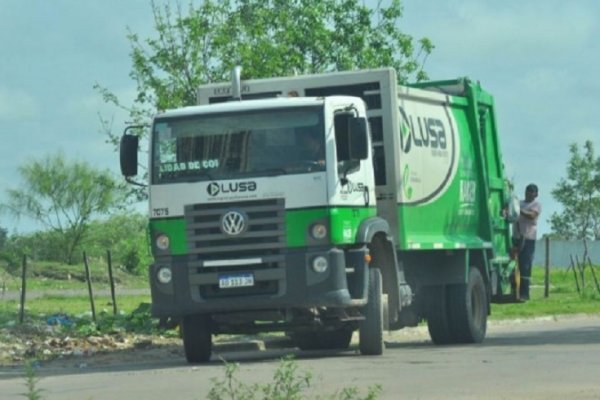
(539, 58)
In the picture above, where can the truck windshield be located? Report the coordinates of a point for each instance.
(238, 144)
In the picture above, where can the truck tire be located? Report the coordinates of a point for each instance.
(371, 328)
(437, 315)
(468, 305)
(197, 338)
(337, 339)
(305, 340)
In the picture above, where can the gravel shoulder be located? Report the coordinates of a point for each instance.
(128, 351)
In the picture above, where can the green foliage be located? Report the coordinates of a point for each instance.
(579, 194)
(3, 237)
(125, 236)
(31, 382)
(288, 384)
(133, 317)
(42, 245)
(63, 196)
(138, 321)
(267, 38)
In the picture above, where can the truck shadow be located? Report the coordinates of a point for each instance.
(162, 357)
(565, 336)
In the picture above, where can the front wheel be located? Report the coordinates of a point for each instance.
(371, 328)
(197, 338)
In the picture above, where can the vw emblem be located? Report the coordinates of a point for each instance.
(233, 223)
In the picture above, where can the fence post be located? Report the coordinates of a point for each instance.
(547, 269)
(23, 289)
(575, 274)
(112, 282)
(594, 274)
(89, 284)
(581, 268)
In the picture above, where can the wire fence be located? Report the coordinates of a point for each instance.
(558, 253)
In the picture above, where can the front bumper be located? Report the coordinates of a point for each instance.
(290, 282)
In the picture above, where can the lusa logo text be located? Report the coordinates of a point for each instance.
(214, 188)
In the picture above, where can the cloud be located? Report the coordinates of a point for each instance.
(508, 38)
(17, 105)
(547, 80)
(93, 104)
(520, 28)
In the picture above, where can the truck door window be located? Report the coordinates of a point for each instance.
(376, 124)
(340, 122)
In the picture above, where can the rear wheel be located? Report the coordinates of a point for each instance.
(468, 307)
(197, 338)
(437, 315)
(371, 328)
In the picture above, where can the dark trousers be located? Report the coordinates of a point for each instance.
(525, 262)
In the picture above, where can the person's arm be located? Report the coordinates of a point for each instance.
(531, 213)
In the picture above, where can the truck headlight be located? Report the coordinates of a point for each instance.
(320, 264)
(318, 231)
(164, 275)
(162, 242)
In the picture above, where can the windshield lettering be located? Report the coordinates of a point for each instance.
(238, 145)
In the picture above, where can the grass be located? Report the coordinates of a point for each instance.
(43, 307)
(563, 297)
(44, 275)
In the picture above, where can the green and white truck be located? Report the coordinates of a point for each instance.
(395, 216)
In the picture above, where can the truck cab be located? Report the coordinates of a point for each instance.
(255, 209)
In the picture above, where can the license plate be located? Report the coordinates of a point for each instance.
(236, 281)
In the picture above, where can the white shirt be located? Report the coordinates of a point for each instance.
(527, 227)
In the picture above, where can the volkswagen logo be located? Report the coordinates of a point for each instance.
(233, 223)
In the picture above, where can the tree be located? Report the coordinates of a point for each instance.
(63, 196)
(267, 38)
(125, 235)
(3, 237)
(579, 194)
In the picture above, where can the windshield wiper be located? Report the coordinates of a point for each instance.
(194, 177)
(273, 171)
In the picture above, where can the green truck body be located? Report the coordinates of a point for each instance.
(402, 218)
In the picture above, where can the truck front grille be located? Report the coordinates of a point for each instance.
(214, 253)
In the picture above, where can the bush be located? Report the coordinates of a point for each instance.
(125, 236)
(288, 384)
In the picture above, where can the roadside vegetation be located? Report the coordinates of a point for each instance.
(70, 315)
(563, 296)
(66, 323)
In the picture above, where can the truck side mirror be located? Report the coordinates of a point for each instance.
(129, 155)
(358, 143)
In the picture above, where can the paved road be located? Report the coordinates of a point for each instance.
(541, 359)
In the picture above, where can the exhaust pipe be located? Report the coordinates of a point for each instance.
(236, 83)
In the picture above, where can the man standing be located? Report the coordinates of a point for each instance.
(525, 234)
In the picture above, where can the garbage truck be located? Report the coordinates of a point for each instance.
(327, 204)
